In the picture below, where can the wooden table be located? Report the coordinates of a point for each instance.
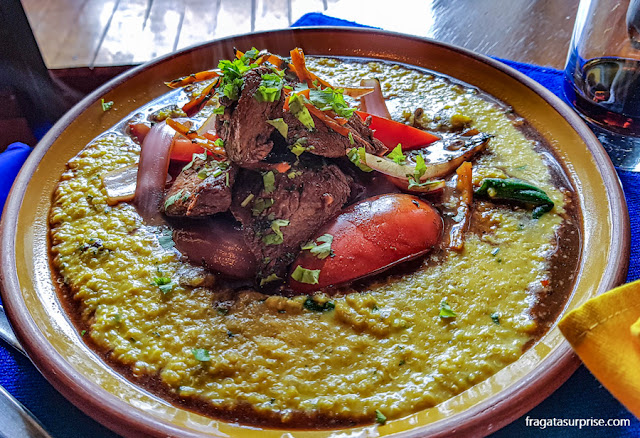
(102, 33)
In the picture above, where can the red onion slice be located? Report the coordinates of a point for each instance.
(152, 172)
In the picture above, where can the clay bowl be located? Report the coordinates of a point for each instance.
(78, 373)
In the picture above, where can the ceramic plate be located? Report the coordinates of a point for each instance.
(79, 374)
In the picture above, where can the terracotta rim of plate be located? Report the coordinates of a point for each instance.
(481, 419)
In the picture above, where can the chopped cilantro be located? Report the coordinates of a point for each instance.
(299, 147)
(357, 156)
(232, 72)
(275, 238)
(269, 279)
(314, 306)
(397, 156)
(297, 108)
(495, 317)
(173, 198)
(260, 205)
(380, 417)
(219, 142)
(269, 89)
(426, 185)
(248, 199)
(269, 180)
(194, 157)
(331, 100)
(164, 284)
(307, 276)
(250, 55)
(280, 125)
(206, 172)
(446, 311)
(83, 332)
(201, 354)
(421, 167)
(165, 239)
(219, 110)
(321, 250)
(106, 106)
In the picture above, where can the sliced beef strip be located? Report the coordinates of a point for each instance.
(244, 127)
(306, 197)
(326, 142)
(202, 188)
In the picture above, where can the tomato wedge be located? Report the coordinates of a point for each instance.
(366, 238)
(390, 133)
(183, 148)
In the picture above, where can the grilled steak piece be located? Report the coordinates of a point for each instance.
(326, 142)
(281, 211)
(202, 188)
(244, 127)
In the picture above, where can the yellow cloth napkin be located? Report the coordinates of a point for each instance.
(605, 333)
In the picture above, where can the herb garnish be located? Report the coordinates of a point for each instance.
(106, 106)
(173, 198)
(380, 417)
(421, 167)
(164, 284)
(201, 354)
(314, 306)
(269, 279)
(321, 250)
(495, 317)
(194, 157)
(269, 180)
(299, 147)
(246, 200)
(165, 239)
(331, 100)
(446, 311)
(232, 72)
(280, 125)
(297, 108)
(275, 238)
(397, 155)
(307, 276)
(269, 89)
(357, 156)
(260, 205)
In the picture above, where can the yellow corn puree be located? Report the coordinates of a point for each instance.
(383, 348)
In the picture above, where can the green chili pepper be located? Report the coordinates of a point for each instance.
(512, 189)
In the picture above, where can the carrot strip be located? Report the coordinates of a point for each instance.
(331, 123)
(182, 129)
(300, 69)
(465, 187)
(282, 167)
(197, 103)
(218, 152)
(192, 78)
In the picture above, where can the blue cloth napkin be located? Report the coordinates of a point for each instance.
(581, 397)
